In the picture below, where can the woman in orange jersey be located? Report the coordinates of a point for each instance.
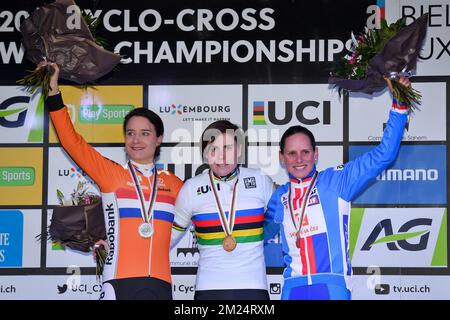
(138, 201)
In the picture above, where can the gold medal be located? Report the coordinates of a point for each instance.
(229, 243)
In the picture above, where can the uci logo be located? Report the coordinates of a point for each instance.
(400, 239)
(19, 113)
(307, 112)
(206, 189)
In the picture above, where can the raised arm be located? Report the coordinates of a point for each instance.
(354, 176)
(85, 156)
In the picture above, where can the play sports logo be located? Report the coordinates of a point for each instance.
(103, 114)
(17, 176)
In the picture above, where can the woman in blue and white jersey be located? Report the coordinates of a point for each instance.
(316, 251)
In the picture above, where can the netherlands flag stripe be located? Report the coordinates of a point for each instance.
(164, 215)
(136, 213)
(125, 194)
(165, 198)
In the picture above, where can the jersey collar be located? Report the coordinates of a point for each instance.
(293, 179)
(229, 176)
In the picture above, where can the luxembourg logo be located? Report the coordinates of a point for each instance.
(176, 109)
(198, 109)
(74, 173)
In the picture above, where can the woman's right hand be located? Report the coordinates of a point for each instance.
(98, 244)
(54, 88)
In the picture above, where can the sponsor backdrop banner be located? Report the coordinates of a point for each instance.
(399, 237)
(21, 176)
(382, 287)
(263, 65)
(277, 107)
(98, 113)
(21, 116)
(418, 127)
(418, 176)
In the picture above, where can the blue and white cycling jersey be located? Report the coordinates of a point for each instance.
(323, 252)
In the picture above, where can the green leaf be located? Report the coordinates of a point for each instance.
(400, 236)
(60, 196)
(5, 113)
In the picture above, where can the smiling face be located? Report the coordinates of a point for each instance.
(141, 140)
(298, 155)
(222, 154)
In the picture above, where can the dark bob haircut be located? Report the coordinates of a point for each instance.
(150, 116)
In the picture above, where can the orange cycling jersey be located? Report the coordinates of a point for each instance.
(130, 255)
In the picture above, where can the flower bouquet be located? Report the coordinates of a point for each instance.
(59, 33)
(78, 223)
(376, 54)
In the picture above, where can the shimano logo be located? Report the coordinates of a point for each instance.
(409, 175)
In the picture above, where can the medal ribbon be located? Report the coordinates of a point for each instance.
(304, 203)
(146, 215)
(227, 224)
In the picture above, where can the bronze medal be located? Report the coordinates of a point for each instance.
(298, 226)
(229, 243)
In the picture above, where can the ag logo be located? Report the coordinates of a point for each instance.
(20, 112)
(402, 239)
